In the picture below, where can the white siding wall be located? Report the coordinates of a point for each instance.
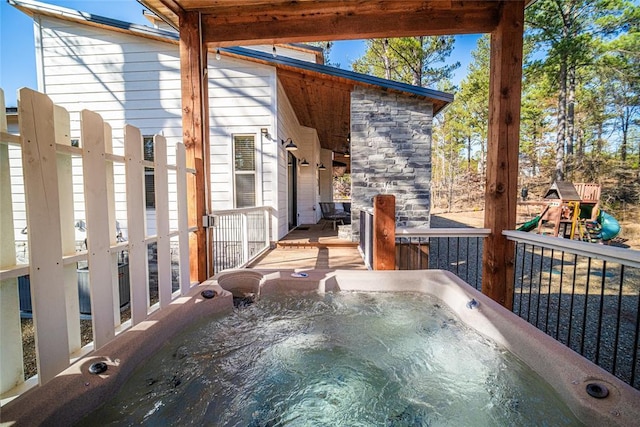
(241, 103)
(283, 51)
(17, 191)
(308, 147)
(133, 80)
(308, 197)
(326, 177)
(124, 78)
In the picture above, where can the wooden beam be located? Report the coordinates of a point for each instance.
(195, 136)
(384, 232)
(293, 26)
(234, 10)
(502, 153)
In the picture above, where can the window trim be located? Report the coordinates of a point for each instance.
(255, 172)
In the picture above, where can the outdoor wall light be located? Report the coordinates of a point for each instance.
(347, 153)
(290, 145)
(304, 163)
(265, 133)
(321, 167)
(218, 54)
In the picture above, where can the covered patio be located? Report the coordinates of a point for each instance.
(205, 25)
(504, 256)
(312, 246)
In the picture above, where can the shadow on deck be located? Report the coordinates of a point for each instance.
(312, 246)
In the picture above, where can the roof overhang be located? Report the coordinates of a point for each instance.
(233, 23)
(319, 94)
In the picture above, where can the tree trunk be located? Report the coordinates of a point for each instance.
(450, 191)
(562, 122)
(599, 139)
(580, 146)
(468, 153)
(483, 158)
(419, 65)
(386, 61)
(625, 121)
(570, 137)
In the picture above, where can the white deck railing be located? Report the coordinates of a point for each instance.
(49, 191)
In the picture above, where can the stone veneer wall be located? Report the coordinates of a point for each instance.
(391, 154)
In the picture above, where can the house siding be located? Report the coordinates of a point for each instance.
(283, 51)
(391, 154)
(240, 99)
(308, 148)
(129, 79)
(125, 79)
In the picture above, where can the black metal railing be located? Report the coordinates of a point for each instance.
(585, 295)
(239, 236)
(458, 250)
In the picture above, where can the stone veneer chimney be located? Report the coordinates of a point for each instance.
(391, 154)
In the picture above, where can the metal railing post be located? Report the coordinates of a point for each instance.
(244, 231)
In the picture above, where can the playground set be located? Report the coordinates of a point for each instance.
(574, 210)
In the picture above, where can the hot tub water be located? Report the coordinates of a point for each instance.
(346, 358)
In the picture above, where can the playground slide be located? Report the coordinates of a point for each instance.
(605, 228)
(610, 226)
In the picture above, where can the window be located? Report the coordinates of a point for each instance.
(244, 153)
(149, 177)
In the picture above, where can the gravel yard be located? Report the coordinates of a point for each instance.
(584, 303)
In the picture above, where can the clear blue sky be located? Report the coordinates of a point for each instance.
(17, 54)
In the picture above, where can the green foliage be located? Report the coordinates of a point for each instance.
(342, 187)
(419, 61)
(587, 51)
(580, 112)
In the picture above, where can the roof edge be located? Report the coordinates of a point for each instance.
(32, 7)
(342, 73)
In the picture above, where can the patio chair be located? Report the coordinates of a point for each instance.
(331, 215)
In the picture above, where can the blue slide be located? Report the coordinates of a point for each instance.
(610, 227)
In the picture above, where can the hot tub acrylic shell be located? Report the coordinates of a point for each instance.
(76, 392)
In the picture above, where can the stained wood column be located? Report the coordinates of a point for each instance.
(384, 232)
(195, 105)
(502, 153)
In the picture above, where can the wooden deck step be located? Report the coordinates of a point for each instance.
(328, 244)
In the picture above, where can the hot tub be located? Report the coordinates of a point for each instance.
(570, 375)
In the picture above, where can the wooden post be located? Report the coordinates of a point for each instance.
(195, 107)
(162, 220)
(99, 230)
(502, 153)
(11, 364)
(137, 229)
(183, 220)
(384, 232)
(67, 230)
(37, 132)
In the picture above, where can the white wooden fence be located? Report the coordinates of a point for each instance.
(46, 157)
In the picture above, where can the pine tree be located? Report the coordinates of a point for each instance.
(413, 60)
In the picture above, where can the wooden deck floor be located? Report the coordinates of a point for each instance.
(312, 246)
